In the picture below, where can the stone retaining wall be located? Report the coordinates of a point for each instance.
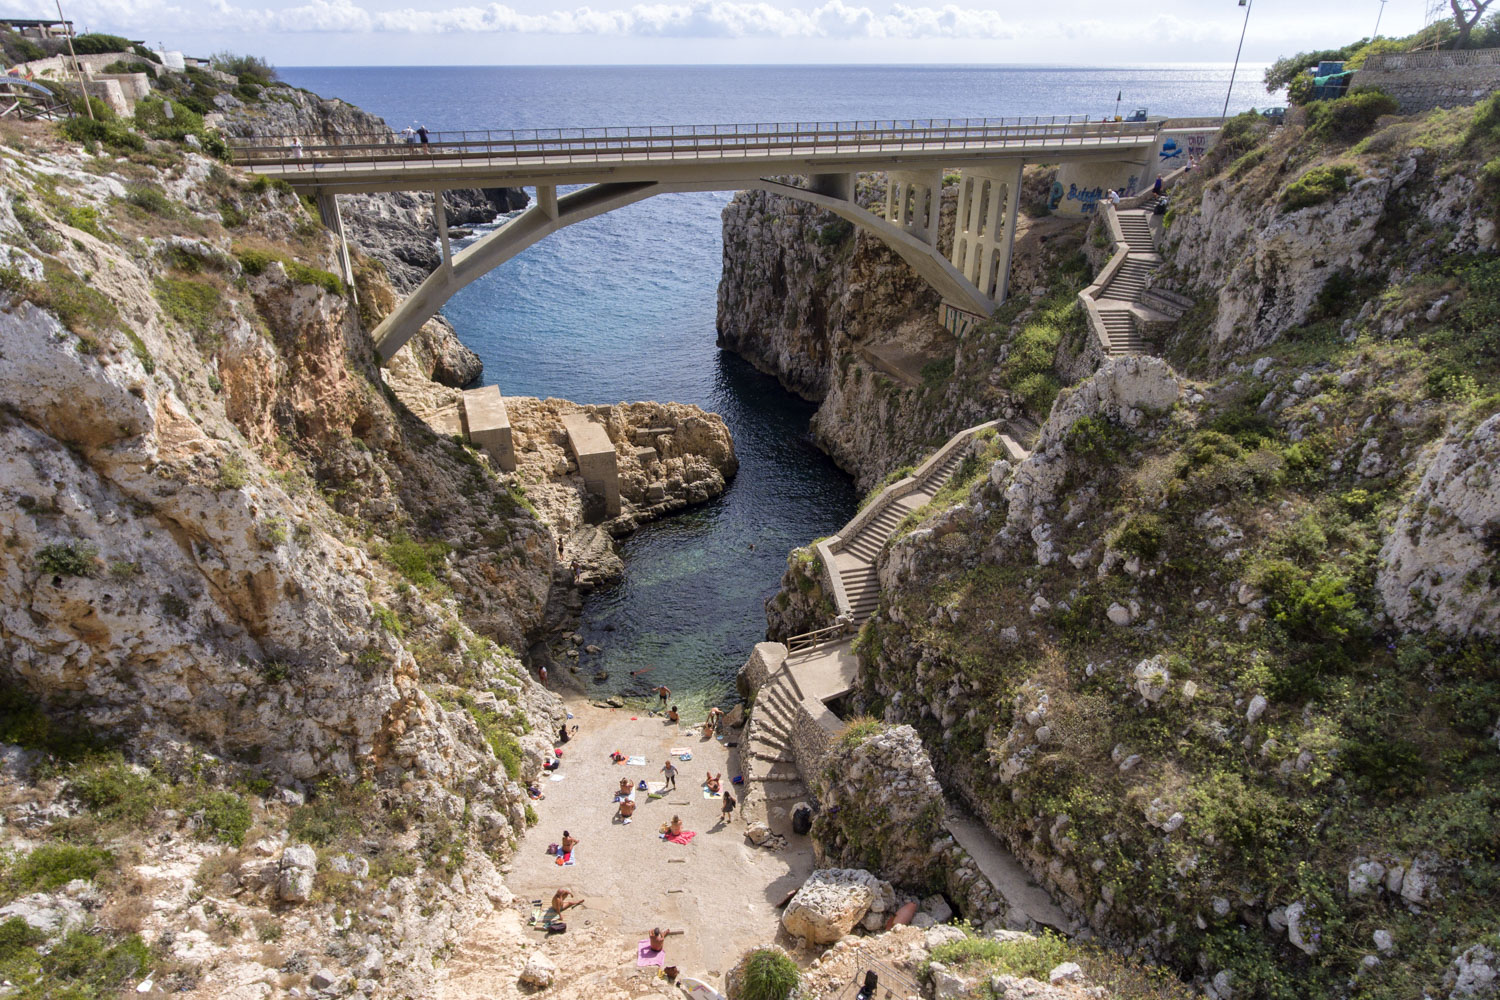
(1420, 81)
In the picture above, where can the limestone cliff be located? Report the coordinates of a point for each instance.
(395, 229)
(1217, 659)
(248, 598)
(839, 318)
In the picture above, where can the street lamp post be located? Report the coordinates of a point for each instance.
(1247, 5)
(1377, 20)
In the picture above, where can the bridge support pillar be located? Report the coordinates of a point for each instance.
(546, 199)
(914, 201)
(440, 216)
(984, 231)
(333, 220)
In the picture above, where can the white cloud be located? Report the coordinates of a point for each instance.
(694, 19)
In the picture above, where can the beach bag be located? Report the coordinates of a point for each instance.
(642, 786)
(557, 927)
(552, 848)
(802, 821)
(738, 779)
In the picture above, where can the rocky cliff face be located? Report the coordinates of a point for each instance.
(839, 318)
(396, 229)
(1191, 657)
(230, 554)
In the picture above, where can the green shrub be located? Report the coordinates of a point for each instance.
(52, 866)
(1097, 438)
(83, 966)
(1484, 130)
(233, 473)
(1318, 185)
(82, 308)
(130, 66)
(1347, 119)
(499, 733)
(68, 559)
(93, 44)
(857, 730)
(769, 975)
(16, 935)
(24, 49)
(108, 133)
(416, 560)
(255, 263)
(259, 70)
(23, 723)
(225, 816)
(1140, 535)
(833, 233)
(1032, 957)
(113, 790)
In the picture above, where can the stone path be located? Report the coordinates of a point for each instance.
(1005, 873)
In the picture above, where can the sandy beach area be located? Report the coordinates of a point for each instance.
(720, 891)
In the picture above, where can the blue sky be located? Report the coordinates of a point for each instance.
(477, 32)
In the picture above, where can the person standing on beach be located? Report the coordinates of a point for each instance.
(727, 816)
(671, 775)
(663, 692)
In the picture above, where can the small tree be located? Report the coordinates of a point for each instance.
(253, 67)
(1467, 14)
(769, 975)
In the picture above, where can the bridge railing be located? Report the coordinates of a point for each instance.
(515, 147)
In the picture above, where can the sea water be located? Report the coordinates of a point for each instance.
(622, 307)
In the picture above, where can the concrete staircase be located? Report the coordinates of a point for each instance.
(1123, 299)
(855, 562)
(772, 782)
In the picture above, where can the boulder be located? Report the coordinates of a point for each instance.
(539, 970)
(51, 915)
(1474, 973)
(947, 984)
(941, 935)
(831, 902)
(1152, 680)
(294, 882)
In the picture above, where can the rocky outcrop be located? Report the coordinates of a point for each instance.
(1127, 391)
(1438, 565)
(395, 228)
(882, 807)
(1271, 267)
(832, 901)
(837, 317)
(228, 551)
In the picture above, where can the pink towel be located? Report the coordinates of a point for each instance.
(644, 955)
(683, 837)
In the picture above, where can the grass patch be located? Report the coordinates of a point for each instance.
(417, 561)
(1318, 185)
(52, 866)
(256, 262)
(769, 975)
(857, 730)
(67, 559)
(192, 303)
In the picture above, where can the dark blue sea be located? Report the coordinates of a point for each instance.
(622, 307)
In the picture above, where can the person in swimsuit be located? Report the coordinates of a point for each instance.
(672, 715)
(568, 842)
(627, 809)
(728, 814)
(659, 938)
(673, 828)
(624, 792)
(712, 780)
(561, 902)
(671, 773)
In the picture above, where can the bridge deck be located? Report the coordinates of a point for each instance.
(710, 154)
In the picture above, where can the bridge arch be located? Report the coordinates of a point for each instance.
(911, 237)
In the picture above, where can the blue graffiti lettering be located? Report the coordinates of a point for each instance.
(1088, 197)
(1056, 197)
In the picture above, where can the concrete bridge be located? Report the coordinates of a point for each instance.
(621, 166)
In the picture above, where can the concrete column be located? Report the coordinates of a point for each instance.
(1012, 210)
(983, 187)
(440, 214)
(960, 224)
(333, 219)
(992, 234)
(546, 198)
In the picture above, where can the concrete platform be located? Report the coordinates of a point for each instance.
(488, 425)
(596, 459)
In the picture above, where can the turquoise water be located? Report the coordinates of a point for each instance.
(622, 307)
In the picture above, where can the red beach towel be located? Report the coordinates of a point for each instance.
(683, 837)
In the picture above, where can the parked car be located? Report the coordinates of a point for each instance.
(1276, 116)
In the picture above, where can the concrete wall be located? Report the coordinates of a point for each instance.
(1421, 81)
(1081, 185)
(597, 462)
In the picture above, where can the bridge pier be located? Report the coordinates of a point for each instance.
(914, 201)
(440, 216)
(984, 229)
(333, 220)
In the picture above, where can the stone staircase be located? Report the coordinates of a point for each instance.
(1123, 300)
(855, 563)
(772, 781)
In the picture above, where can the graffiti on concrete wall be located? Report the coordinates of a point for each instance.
(1170, 153)
(1087, 198)
(1197, 145)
